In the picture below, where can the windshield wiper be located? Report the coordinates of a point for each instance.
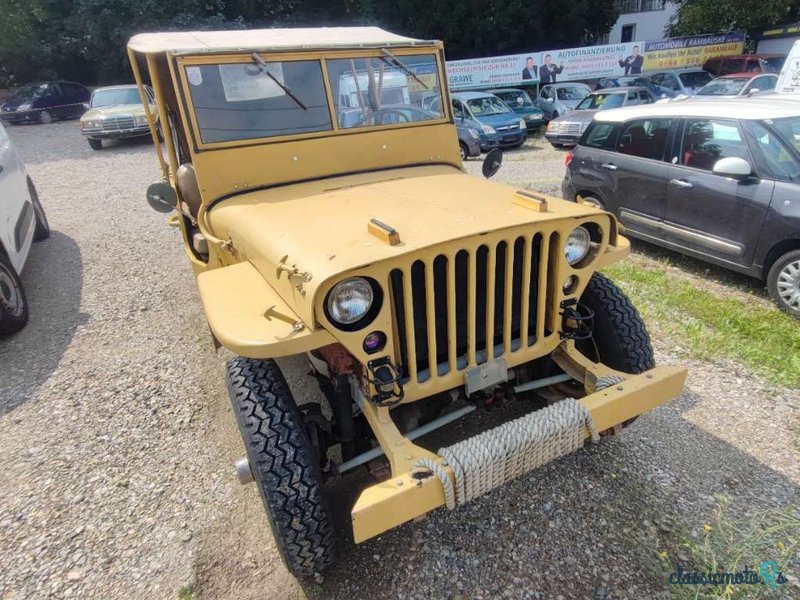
(263, 66)
(402, 67)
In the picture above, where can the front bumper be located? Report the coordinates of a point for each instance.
(413, 491)
(564, 139)
(116, 134)
(535, 124)
(503, 140)
(26, 116)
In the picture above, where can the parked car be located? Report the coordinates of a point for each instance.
(22, 221)
(682, 82)
(558, 99)
(745, 63)
(657, 91)
(45, 102)
(469, 139)
(520, 102)
(567, 130)
(717, 180)
(115, 113)
(499, 125)
(740, 84)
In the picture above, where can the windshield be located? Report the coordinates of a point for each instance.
(385, 90)
(727, 86)
(112, 96)
(487, 105)
(695, 79)
(28, 92)
(570, 93)
(517, 99)
(602, 101)
(773, 64)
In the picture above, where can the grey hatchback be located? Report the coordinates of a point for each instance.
(717, 180)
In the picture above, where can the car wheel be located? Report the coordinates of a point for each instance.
(283, 464)
(463, 150)
(593, 201)
(45, 118)
(95, 144)
(13, 302)
(783, 283)
(42, 231)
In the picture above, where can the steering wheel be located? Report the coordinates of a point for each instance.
(392, 114)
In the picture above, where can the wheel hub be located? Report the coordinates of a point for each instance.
(789, 284)
(10, 297)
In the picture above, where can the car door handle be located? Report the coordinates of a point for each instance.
(609, 166)
(681, 183)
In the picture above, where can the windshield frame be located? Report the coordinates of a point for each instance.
(189, 117)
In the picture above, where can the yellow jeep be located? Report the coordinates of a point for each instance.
(316, 178)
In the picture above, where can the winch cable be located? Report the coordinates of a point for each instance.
(496, 456)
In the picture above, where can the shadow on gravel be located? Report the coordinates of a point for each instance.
(53, 279)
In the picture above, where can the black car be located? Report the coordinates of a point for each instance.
(45, 102)
(717, 180)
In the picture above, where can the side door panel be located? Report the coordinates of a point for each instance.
(16, 211)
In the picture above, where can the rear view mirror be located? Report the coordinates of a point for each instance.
(492, 163)
(161, 197)
(733, 166)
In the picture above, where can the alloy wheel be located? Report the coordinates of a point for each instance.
(789, 284)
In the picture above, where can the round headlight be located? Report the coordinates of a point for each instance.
(577, 245)
(349, 300)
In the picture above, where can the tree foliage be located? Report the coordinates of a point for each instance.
(712, 16)
(84, 40)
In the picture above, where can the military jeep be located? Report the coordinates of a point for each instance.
(325, 211)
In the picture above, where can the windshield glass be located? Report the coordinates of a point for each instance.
(602, 101)
(695, 79)
(774, 64)
(385, 90)
(487, 105)
(28, 92)
(728, 86)
(239, 101)
(517, 99)
(571, 93)
(112, 96)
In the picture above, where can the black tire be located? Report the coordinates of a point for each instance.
(784, 278)
(42, 231)
(95, 144)
(619, 336)
(283, 465)
(45, 118)
(593, 201)
(464, 151)
(13, 301)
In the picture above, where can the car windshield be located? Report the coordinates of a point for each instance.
(518, 99)
(113, 96)
(788, 129)
(724, 86)
(695, 79)
(27, 92)
(602, 101)
(570, 93)
(487, 105)
(773, 64)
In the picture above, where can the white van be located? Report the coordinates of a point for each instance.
(394, 89)
(789, 79)
(22, 222)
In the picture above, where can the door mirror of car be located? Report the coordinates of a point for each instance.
(161, 197)
(86, 106)
(733, 166)
(753, 91)
(492, 163)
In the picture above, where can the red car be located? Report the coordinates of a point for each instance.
(745, 63)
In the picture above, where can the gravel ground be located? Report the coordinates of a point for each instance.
(116, 440)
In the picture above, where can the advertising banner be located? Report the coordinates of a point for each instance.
(591, 62)
(495, 71)
(690, 51)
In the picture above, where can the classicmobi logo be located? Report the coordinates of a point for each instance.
(767, 574)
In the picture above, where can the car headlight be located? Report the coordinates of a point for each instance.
(350, 300)
(488, 129)
(90, 124)
(25, 106)
(474, 133)
(577, 246)
(139, 120)
(522, 124)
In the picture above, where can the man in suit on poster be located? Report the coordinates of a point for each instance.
(633, 64)
(548, 71)
(529, 72)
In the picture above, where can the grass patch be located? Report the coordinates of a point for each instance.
(709, 325)
(732, 542)
(186, 592)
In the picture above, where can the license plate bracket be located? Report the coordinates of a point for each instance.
(490, 373)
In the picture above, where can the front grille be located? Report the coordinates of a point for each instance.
(570, 128)
(116, 123)
(464, 308)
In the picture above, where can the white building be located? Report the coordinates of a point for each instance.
(640, 20)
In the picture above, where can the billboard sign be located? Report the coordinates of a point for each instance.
(690, 51)
(494, 71)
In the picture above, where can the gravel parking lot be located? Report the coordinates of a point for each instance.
(116, 440)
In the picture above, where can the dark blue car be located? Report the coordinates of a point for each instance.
(45, 102)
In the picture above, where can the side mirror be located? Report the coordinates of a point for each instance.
(85, 106)
(753, 91)
(492, 163)
(161, 197)
(733, 166)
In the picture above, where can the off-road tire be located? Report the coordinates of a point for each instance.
(619, 334)
(12, 318)
(283, 465)
(42, 231)
(95, 144)
(785, 262)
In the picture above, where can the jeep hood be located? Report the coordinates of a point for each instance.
(321, 227)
